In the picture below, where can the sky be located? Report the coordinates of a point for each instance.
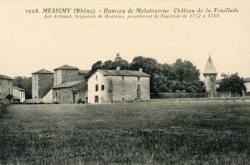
(30, 42)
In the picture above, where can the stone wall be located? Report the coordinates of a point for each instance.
(125, 89)
(212, 100)
(62, 76)
(177, 95)
(210, 83)
(5, 88)
(65, 95)
(247, 84)
(41, 84)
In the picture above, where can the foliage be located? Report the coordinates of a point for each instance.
(185, 71)
(233, 83)
(9, 97)
(25, 83)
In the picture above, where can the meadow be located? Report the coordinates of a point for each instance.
(131, 133)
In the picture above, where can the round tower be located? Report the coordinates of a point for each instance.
(210, 74)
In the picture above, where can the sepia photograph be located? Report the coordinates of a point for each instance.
(107, 82)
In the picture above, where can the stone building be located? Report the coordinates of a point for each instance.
(5, 87)
(210, 74)
(108, 86)
(70, 92)
(18, 94)
(67, 73)
(247, 84)
(42, 82)
(69, 85)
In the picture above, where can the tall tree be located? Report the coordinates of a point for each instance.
(185, 71)
(95, 66)
(25, 83)
(151, 67)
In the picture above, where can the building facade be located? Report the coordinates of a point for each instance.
(42, 82)
(18, 94)
(6, 87)
(109, 86)
(67, 73)
(247, 84)
(70, 85)
(70, 92)
(210, 75)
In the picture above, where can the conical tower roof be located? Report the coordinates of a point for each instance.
(210, 68)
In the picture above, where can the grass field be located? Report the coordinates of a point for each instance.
(138, 133)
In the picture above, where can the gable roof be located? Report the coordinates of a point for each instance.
(66, 67)
(20, 89)
(42, 71)
(5, 77)
(210, 68)
(123, 73)
(67, 84)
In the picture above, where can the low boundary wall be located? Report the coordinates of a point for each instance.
(212, 100)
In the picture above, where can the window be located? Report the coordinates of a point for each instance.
(96, 99)
(138, 78)
(102, 87)
(96, 77)
(96, 87)
(123, 78)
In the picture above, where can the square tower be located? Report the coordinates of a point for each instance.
(42, 82)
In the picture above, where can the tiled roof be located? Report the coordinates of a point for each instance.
(67, 84)
(210, 69)
(123, 73)
(83, 71)
(66, 67)
(21, 89)
(5, 77)
(42, 71)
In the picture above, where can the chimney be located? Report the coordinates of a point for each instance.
(140, 69)
(118, 68)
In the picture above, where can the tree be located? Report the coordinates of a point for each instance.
(95, 66)
(185, 71)
(232, 83)
(149, 66)
(25, 83)
(9, 97)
